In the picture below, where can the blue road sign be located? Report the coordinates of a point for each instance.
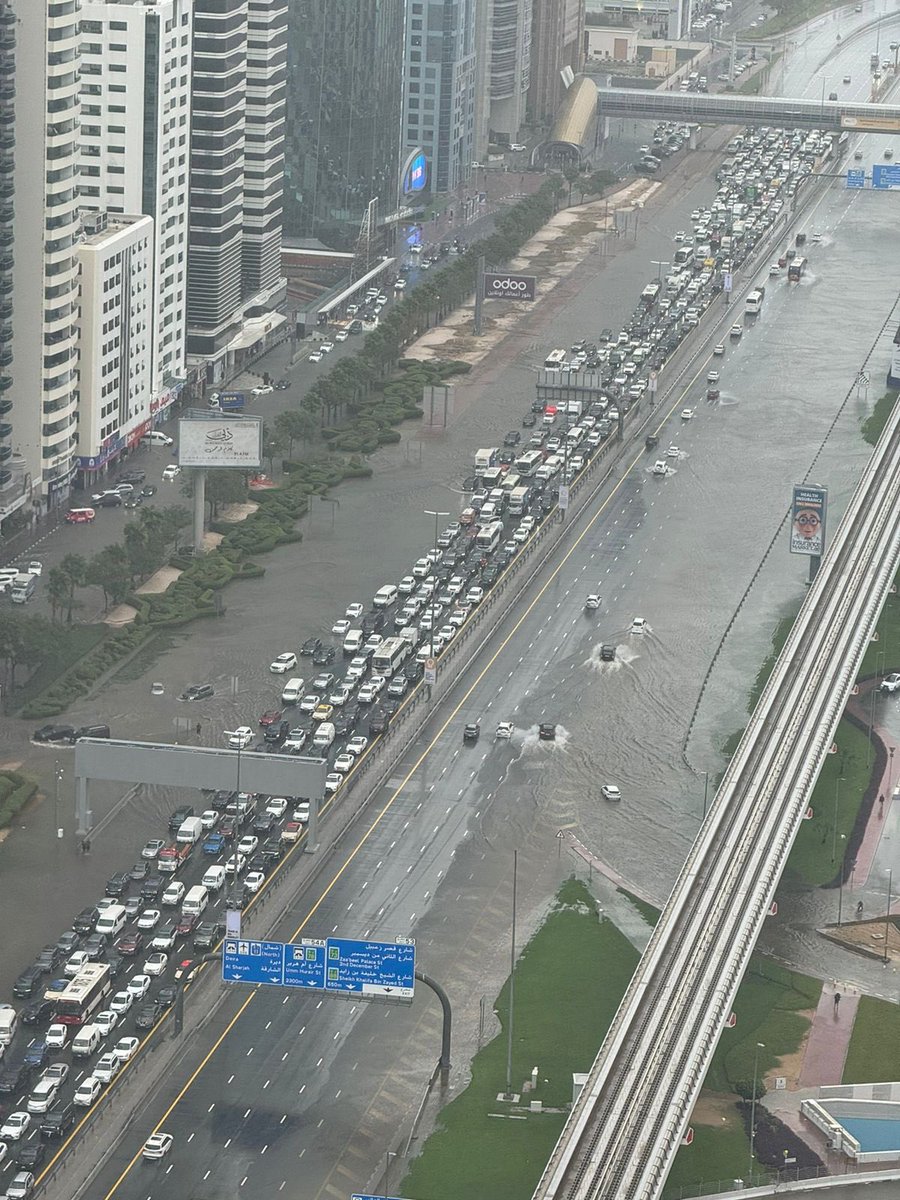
(360, 1196)
(371, 968)
(856, 177)
(245, 961)
(886, 176)
(336, 965)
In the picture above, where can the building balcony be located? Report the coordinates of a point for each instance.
(7, 114)
(6, 309)
(6, 286)
(7, 38)
(7, 88)
(6, 405)
(7, 188)
(5, 478)
(7, 262)
(6, 382)
(6, 355)
(5, 453)
(7, 137)
(6, 430)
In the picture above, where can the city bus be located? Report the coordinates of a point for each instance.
(488, 539)
(84, 995)
(753, 303)
(650, 294)
(390, 654)
(796, 269)
(527, 463)
(555, 360)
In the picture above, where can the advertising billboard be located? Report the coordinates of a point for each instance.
(873, 124)
(808, 512)
(220, 442)
(414, 176)
(501, 285)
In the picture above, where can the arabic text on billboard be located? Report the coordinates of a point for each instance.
(501, 285)
(220, 443)
(808, 512)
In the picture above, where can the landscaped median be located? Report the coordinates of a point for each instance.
(15, 792)
(569, 981)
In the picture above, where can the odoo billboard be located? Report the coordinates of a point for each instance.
(501, 285)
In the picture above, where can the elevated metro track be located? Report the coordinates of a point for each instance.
(624, 1130)
(729, 109)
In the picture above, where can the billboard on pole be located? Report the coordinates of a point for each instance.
(501, 285)
(808, 512)
(218, 442)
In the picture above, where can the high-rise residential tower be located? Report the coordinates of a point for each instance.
(135, 149)
(43, 322)
(556, 43)
(13, 493)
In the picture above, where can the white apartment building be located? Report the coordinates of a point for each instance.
(44, 342)
(115, 258)
(135, 147)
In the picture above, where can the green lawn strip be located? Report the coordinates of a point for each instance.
(569, 981)
(716, 1156)
(874, 1052)
(873, 425)
(883, 656)
(647, 911)
(15, 792)
(816, 855)
(788, 15)
(769, 1007)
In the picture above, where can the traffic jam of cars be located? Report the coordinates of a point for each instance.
(88, 1000)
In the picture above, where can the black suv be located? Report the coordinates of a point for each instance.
(179, 816)
(14, 1078)
(272, 851)
(49, 959)
(118, 884)
(28, 983)
(198, 691)
(58, 1121)
(86, 920)
(207, 934)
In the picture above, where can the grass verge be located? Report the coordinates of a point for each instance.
(788, 15)
(874, 1052)
(15, 792)
(647, 911)
(477, 1151)
(873, 425)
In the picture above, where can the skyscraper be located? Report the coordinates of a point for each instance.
(13, 494)
(439, 87)
(234, 255)
(509, 65)
(135, 148)
(345, 64)
(557, 42)
(44, 318)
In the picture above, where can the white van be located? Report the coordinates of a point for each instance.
(112, 920)
(385, 596)
(353, 640)
(157, 438)
(9, 1019)
(86, 1041)
(195, 901)
(324, 736)
(292, 692)
(214, 878)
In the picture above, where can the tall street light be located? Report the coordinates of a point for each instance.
(654, 262)
(759, 1046)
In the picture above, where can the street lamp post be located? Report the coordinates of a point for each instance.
(837, 796)
(759, 1046)
(58, 774)
(887, 913)
(659, 268)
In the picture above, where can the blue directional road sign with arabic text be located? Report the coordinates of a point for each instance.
(338, 965)
(359, 1196)
(856, 178)
(886, 176)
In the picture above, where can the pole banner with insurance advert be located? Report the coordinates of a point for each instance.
(808, 512)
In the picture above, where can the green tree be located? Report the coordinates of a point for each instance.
(224, 487)
(295, 424)
(598, 181)
(72, 568)
(57, 590)
(110, 570)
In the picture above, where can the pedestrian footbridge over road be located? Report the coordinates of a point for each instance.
(729, 109)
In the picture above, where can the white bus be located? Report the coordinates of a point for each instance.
(555, 360)
(84, 995)
(526, 465)
(391, 654)
(753, 303)
(488, 539)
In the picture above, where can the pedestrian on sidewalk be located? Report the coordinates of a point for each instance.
(837, 1002)
(881, 806)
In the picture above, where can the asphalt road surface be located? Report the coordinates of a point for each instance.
(678, 551)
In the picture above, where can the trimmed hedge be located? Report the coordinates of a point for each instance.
(15, 792)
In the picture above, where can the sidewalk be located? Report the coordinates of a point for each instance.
(829, 1037)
